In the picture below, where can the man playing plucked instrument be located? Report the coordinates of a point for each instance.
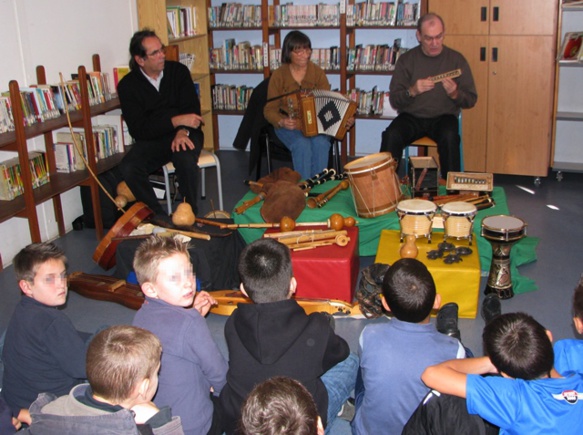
(429, 98)
(297, 72)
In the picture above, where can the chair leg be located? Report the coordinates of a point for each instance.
(268, 154)
(203, 183)
(167, 187)
(336, 157)
(219, 182)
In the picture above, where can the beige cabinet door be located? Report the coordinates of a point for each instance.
(474, 120)
(520, 96)
(523, 17)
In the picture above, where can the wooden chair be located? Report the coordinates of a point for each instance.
(426, 142)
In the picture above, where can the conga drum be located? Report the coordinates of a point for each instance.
(416, 217)
(458, 220)
(374, 184)
(502, 232)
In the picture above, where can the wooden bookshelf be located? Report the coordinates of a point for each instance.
(24, 206)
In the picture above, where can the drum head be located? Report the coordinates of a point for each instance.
(369, 162)
(416, 206)
(461, 208)
(503, 223)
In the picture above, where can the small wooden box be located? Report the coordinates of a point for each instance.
(423, 176)
(470, 181)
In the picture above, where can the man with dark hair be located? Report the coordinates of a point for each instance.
(280, 406)
(426, 107)
(275, 337)
(162, 110)
(394, 354)
(529, 397)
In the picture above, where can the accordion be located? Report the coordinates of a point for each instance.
(324, 112)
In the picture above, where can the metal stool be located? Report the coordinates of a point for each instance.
(207, 159)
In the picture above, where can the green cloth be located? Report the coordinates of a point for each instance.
(523, 251)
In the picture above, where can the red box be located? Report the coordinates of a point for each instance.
(327, 272)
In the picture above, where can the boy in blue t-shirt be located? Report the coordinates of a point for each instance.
(529, 397)
(569, 352)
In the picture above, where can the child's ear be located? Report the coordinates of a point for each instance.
(293, 285)
(242, 288)
(437, 302)
(25, 287)
(149, 289)
(320, 426)
(142, 389)
(549, 334)
(385, 304)
(578, 324)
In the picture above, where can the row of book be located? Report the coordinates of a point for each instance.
(236, 56)
(181, 21)
(234, 15)
(380, 57)
(11, 185)
(314, 15)
(43, 102)
(230, 97)
(369, 13)
(372, 103)
(366, 13)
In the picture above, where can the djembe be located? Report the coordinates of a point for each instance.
(502, 232)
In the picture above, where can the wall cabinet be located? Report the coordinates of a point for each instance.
(24, 206)
(510, 46)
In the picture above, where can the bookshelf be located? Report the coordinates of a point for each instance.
(24, 206)
(510, 46)
(152, 14)
(568, 114)
(340, 33)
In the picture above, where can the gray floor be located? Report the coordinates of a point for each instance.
(552, 211)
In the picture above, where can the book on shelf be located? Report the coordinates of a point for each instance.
(572, 46)
(78, 135)
(11, 184)
(6, 117)
(119, 72)
(65, 157)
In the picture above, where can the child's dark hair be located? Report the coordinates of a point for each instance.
(578, 300)
(279, 406)
(28, 260)
(519, 346)
(409, 290)
(265, 270)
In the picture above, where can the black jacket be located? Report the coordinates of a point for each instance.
(278, 339)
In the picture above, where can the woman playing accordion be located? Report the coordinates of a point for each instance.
(297, 72)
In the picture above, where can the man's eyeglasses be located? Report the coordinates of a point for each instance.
(302, 50)
(156, 53)
(433, 38)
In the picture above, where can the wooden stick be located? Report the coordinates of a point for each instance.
(340, 240)
(311, 238)
(189, 234)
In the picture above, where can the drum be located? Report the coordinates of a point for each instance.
(416, 217)
(458, 220)
(374, 184)
(502, 232)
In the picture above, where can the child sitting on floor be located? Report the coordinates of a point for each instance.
(394, 354)
(43, 352)
(275, 337)
(122, 368)
(569, 352)
(193, 369)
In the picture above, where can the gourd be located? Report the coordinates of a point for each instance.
(183, 216)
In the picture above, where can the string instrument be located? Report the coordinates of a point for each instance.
(450, 74)
(138, 213)
(109, 288)
(323, 198)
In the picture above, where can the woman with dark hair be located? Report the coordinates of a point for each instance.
(297, 72)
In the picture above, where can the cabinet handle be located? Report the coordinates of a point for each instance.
(495, 54)
(483, 13)
(496, 14)
(482, 54)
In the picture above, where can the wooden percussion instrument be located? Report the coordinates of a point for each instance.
(458, 220)
(450, 74)
(374, 184)
(416, 217)
(502, 232)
